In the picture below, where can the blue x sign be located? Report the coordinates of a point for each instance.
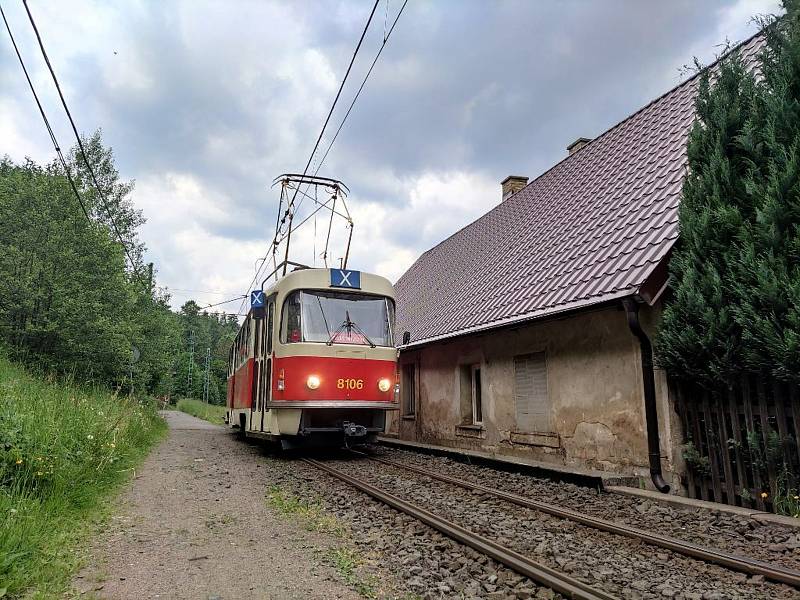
(345, 279)
(257, 299)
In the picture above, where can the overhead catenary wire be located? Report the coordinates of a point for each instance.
(224, 302)
(81, 149)
(361, 87)
(290, 204)
(50, 132)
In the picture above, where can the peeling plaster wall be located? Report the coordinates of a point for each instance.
(594, 388)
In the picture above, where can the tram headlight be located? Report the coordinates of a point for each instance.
(312, 382)
(384, 385)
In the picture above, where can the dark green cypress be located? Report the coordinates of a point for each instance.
(735, 304)
(699, 338)
(767, 289)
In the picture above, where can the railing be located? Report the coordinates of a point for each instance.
(741, 441)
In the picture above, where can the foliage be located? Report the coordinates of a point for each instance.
(214, 331)
(698, 463)
(736, 270)
(209, 412)
(68, 302)
(62, 449)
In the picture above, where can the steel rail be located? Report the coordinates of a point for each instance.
(743, 564)
(563, 584)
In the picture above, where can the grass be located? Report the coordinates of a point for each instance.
(346, 561)
(212, 413)
(63, 450)
(310, 512)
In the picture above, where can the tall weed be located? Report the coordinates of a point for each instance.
(62, 449)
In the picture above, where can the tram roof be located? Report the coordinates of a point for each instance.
(332, 280)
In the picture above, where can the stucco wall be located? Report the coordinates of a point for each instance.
(594, 389)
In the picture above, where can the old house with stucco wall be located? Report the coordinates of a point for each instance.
(528, 331)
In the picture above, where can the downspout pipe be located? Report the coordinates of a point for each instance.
(648, 379)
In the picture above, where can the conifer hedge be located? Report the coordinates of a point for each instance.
(735, 301)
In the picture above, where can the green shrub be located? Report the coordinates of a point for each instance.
(62, 449)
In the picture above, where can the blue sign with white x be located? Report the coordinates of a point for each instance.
(342, 278)
(257, 299)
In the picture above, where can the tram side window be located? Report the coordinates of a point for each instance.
(290, 329)
(270, 320)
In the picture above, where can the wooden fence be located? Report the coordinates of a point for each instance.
(741, 441)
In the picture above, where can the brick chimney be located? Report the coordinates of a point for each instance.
(577, 145)
(512, 184)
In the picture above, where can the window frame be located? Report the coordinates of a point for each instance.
(408, 389)
(283, 329)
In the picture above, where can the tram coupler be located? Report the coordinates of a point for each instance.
(353, 430)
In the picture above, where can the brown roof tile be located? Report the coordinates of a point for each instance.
(590, 229)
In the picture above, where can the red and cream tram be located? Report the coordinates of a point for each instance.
(314, 361)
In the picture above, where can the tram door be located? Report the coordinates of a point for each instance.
(265, 385)
(258, 333)
(264, 362)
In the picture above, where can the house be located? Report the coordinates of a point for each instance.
(529, 329)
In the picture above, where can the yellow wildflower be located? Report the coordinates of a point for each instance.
(764, 494)
(39, 473)
(19, 461)
(113, 445)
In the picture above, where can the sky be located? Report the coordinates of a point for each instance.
(206, 102)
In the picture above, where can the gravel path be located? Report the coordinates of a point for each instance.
(738, 535)
(616, 564)
(195, 524)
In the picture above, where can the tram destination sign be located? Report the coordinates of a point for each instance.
(342, 278)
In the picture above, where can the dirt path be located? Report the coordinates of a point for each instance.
(194, 524)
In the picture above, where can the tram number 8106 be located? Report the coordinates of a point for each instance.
(350, 384)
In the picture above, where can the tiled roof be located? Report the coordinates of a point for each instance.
(590, 229)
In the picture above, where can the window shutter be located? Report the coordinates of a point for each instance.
(530, 392)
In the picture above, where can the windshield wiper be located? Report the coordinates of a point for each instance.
(350, 326)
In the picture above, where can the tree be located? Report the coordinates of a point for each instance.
(736, 269)
(699, 337)
(69, 301)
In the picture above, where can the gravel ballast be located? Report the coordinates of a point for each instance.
(734, 534)
(616, 564)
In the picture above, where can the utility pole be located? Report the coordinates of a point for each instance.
(191, 364)
(206, 381)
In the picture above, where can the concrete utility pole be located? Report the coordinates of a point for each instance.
(206, 381)
(191, 364)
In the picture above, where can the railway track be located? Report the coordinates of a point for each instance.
(554, 579)
(559, 582)
(742, 564)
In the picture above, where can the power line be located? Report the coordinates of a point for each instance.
(358, 93)
(100, 192)
(321, 133)
(224, 302)
(46, 121)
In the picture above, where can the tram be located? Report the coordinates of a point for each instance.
(314, 362)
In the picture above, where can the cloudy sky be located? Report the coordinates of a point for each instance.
(205, 103)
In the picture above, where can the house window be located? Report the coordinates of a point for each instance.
(408, 385)
(530, 393)
(471, 394)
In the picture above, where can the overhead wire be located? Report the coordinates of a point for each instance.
(358, 93)
(321, 133)
(100, 192)
(50, 132)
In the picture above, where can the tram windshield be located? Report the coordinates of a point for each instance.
(337, 318)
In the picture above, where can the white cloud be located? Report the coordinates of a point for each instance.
(206, 102)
